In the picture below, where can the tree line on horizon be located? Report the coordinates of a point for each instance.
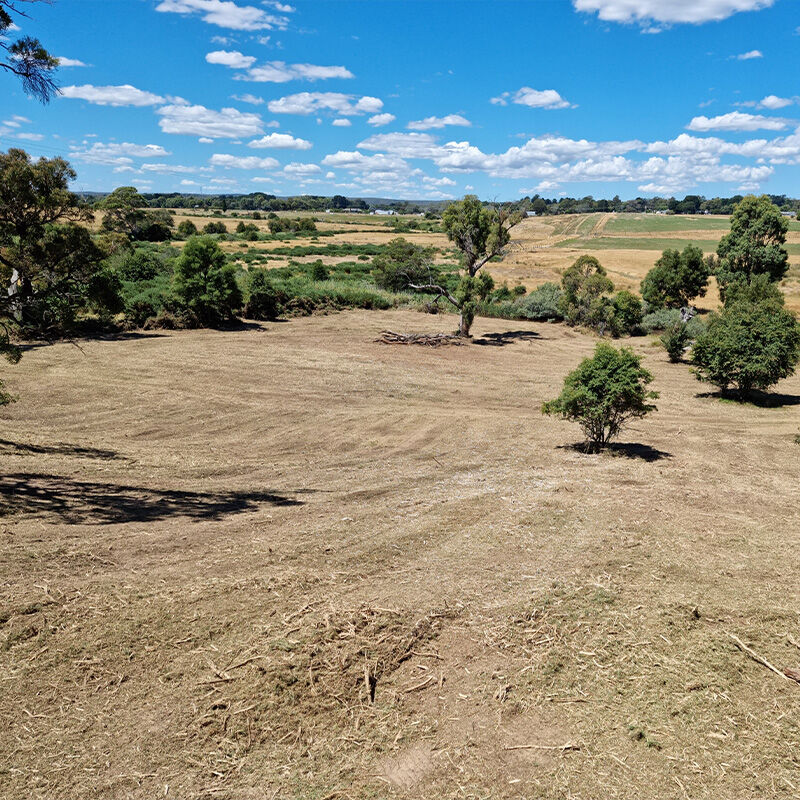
(261, 201)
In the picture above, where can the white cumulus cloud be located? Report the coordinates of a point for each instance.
(668, 11)
(533, 98)
(230, 58)
(430, 123)
(70, 62)
(281, 72)
(749, 55)
(281, 141)
(227, 123)
(226, 14)
(305, 103)
(298, 169)
(737, 121)
(125, 95)
(381, 119)
(242, 162)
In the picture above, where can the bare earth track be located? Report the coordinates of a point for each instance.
(292, 562)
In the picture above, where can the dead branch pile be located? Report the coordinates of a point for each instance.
(425, 339)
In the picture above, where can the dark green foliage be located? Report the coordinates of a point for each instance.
(748, 346)
(126, 213)
(755, 244)
(140, 265)
(675, 338)
(583, 301)
(212, 228)
(604, 393)
(204, 283)
(187, 228)
(402, 263)
(262, 299)
(628, 313)
(676, 279)
(758, 289)
(284, 224)
(318, 271)
(543, 303)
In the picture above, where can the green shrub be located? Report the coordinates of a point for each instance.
(675, 338)
(214, 227)
(628, 313)
(204, 283)
(262, 299)
(187, 228)
(402, 263)
(676, 279)
(748, 346)
(660, 319)
(604, 393)
(318, 271)
(583, 302)
(542, 303)
(140, 265)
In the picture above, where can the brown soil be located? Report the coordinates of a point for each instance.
(290, 562)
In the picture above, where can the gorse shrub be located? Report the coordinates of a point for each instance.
(402, 263)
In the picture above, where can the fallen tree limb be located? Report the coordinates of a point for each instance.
(562, 747)
(425, 339)
(755, 656)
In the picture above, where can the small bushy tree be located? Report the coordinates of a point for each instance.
(187, 228)
(583, 301)
(262, 299)
(211, 228)
(754, 245)
(603, 394)
(628, 313)
(675, 338)
(676, 279)
(204, 284)
(403, 263)
(750, 345)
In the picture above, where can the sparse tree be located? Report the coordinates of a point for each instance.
(480, 233)
(603, 394)
(754, 245)
(26, 57)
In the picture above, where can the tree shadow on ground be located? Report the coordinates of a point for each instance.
(506, 337)
(83, 338)
(644, 452)
(60, 449)
(84, 502)
(755, 398)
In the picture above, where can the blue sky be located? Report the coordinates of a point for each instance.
(420, 98)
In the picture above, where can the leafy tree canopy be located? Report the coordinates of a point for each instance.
(754, 245)
(604, 393)
(676, 279)
(750, 345)
(204, 283)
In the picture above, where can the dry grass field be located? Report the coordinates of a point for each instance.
(626, 244)
(289, 562)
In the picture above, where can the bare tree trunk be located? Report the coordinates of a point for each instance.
(464, 325)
